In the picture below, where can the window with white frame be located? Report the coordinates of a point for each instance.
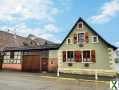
(68, 41)
(81, 38)
(80, 25)
(86, 56)
(70, 56)
(95, 39)
(83, 56)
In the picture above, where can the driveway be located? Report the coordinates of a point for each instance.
(35, 81)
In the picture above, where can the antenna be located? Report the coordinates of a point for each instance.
(8, 30)
(15, 38)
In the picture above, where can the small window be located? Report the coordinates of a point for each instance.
(70, 55)
(94, 39)
(11, 55)
(80, 25)
(69, 41)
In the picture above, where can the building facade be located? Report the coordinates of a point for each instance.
(84, 51)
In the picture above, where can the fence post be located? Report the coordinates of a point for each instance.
(96, 75)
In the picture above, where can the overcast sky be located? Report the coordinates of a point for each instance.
(53, 19)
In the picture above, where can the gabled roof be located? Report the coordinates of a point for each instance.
(79, 20)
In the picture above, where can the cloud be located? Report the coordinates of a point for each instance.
(51, 28)
(107, 12)
(117, 44)
(16, 13)
(35, 9)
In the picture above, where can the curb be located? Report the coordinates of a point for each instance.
(60, 78)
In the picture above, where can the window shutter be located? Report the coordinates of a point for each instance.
(75, 38)
(78, 57)
(86, 37)
(93, 56)
(64, 56)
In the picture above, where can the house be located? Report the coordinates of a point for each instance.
(32, 53)
(84, 51)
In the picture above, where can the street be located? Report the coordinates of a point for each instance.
(35, 81)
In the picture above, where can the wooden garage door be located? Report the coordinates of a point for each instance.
(31, 63)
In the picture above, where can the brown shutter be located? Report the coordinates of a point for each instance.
(64, 56)
(86, 37)
(75, 38)
(78, 57)
(93, 56)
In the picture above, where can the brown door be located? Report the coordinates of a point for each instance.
(31, 63)
(44, 64)
(27, 63)
(35, 63)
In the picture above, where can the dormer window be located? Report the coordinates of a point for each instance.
(80, 25)
(95, 39)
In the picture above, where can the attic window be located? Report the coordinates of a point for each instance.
(69, 41)
(95, 39)
(80, 25)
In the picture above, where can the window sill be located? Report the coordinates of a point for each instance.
(86, 62)
(94, 42)
(69, 62)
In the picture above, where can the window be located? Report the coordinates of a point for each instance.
(70, 55)
(69, 41)
(81, 38)
(79, 56)
(11, 55)
(94, 39)
(86, 56)
(80, 25)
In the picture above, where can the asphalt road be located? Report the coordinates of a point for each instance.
(35, 81)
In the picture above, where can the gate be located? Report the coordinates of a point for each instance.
(31, 62)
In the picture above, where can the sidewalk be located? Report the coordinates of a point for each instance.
(77, 77)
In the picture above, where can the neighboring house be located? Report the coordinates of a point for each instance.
(84, 51)
(31, 59)
(27, 54)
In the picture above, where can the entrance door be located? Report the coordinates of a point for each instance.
(44, 64)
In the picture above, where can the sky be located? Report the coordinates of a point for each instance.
(53, 19)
